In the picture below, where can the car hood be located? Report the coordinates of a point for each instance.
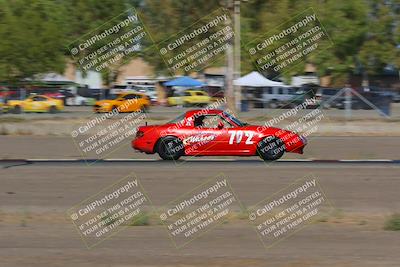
(266, 130)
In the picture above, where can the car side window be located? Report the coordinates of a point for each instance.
(187, 94)
(132, 96)
(212, 122)
(201, 93)
(39, 98)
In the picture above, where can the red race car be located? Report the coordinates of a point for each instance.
(215, 133)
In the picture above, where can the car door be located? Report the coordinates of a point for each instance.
(188, 98)
(242, 140)
(202, 97)
(37, 103)
(130, 103)
(27, 104)
(209, 138)
(176, 99)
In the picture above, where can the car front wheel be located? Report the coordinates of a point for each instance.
(170, 148)
(270, 148)
(52, 109)
(144, 109)
(114, 109)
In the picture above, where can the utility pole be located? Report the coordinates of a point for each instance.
(237, 61)
(233, 93)
(229, 76)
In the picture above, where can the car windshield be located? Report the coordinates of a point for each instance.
(235, 120)
(112, 96)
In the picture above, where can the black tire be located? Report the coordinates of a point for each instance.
(144, 109)
(52, 109)
(273, 104)
(17, 110)
(325, 106)
(170, 148)
(114, 109)
(290, 106)
(270, 148)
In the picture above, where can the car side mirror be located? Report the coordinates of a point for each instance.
(220, 125)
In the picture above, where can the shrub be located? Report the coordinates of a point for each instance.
(393, 223)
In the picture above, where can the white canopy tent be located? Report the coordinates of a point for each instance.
(52, 77)
(255, 79)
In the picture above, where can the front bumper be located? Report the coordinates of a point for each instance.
(97, 108)
(303, 139)
(297, 144)
(303, 144)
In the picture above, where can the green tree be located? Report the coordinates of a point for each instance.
(32, 38)
(380, 47)
(86, 17)
(346, 22)
(166, 18)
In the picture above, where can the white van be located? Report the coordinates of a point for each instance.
(148, 90)
(273, 97)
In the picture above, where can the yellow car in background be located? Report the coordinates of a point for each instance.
(126, 102)
(2, 105)
(35, 103)
(190, 98)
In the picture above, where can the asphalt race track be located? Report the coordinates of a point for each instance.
(42, 177)
(35, 230)
(326, 148)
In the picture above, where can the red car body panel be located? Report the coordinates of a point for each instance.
(235, 141)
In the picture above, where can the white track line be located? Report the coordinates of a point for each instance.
(365, 160)
(44, 160)
(297, 160)
(210, 160)
(133, 160)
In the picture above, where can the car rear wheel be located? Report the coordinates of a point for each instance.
(52, 109)
(270, 148)
(17, 110)
(170, 148)
(273, 104)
